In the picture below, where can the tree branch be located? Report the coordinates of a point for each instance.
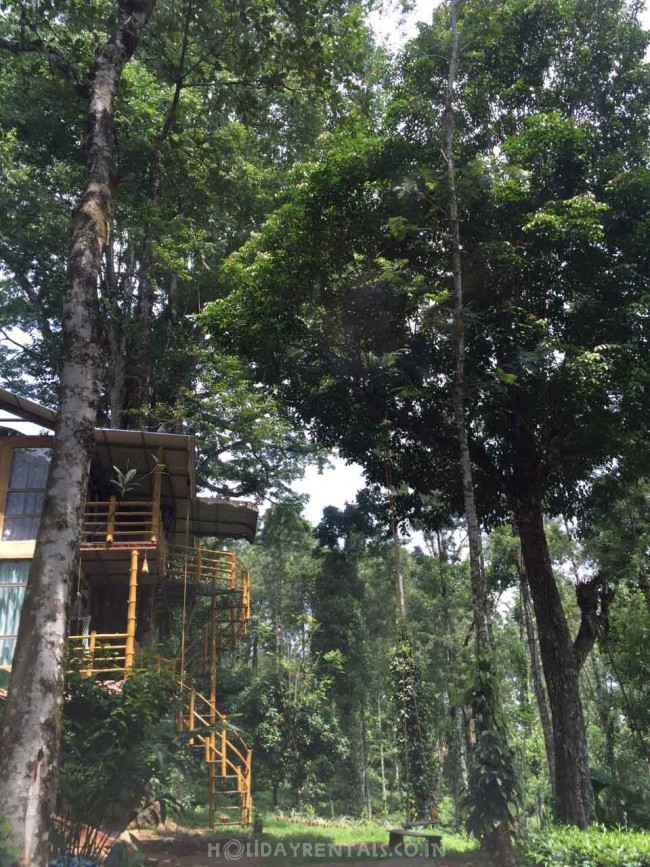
(594, 599)
(56, 61)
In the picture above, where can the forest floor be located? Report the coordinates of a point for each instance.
(182, 847)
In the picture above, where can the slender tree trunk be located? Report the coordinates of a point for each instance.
(365, 774)
(499, 839)
(479, 587)
(462, 750)
(605, 714)
(382, 765)
(537, 672)
(574, 792)
(456, 736)
(31, 726)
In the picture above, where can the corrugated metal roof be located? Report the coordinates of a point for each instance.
(27, 409)
(139, 450)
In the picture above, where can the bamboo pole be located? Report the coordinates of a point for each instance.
(212, 770)
(91, 654)
(110, 523)
(131, 612)
(191, 714)
(224, 748)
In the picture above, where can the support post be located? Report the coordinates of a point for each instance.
(224, 748)
(198, 565)
(110, 521)
(213, 659)
(155, 504)
(92, 641)
(191, 714)
(129, 653)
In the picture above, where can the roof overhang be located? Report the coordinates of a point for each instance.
(27, 410)
(141, 451)
(221, 519)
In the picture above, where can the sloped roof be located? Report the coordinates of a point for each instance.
(139, 450)
(27, 409)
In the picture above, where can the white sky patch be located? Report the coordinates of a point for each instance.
(393, 27)
(335, 486)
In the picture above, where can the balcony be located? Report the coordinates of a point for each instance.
(121, 524)
(124, 543)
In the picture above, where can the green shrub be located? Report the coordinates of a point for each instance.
(598, 847)
(7, 852)
(118, 746)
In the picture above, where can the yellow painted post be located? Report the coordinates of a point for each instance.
(198, 565)
(110, 521)
(129, 653)
(208, 755)
(191, 712)
(213, 659)
(92, 641)
(246, 598)
(224, 747)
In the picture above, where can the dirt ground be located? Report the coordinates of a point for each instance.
(176, 847)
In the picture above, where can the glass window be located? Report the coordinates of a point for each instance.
(13, 581)
(27, 479)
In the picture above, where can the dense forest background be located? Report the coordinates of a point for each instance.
(286, 241)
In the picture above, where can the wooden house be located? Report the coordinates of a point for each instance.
(149, 549)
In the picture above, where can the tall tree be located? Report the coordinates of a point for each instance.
(31, 726)
(493, 824)
(553, 276)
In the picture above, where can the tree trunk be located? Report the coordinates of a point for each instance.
(31, 727)
(456, 736)
(479, 587)
(606, 714)
(574, 792)
(382, 764)
(498, 840)
(365, 773)
(537, 672)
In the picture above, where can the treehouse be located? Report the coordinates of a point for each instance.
(147, 558)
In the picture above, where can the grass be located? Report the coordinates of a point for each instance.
(301, 841)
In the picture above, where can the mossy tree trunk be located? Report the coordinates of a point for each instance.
(31, 727)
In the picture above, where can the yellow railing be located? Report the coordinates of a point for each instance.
(123, 523)
(224, 751)
(222, 572)
(101, 653)
(201, 565)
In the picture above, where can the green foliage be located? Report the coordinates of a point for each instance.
(7, 852)
(598, 847)
(295, 734)
(493, 796)
(413, 734)
(118, 747)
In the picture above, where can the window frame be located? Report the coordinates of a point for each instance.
(7, 446)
